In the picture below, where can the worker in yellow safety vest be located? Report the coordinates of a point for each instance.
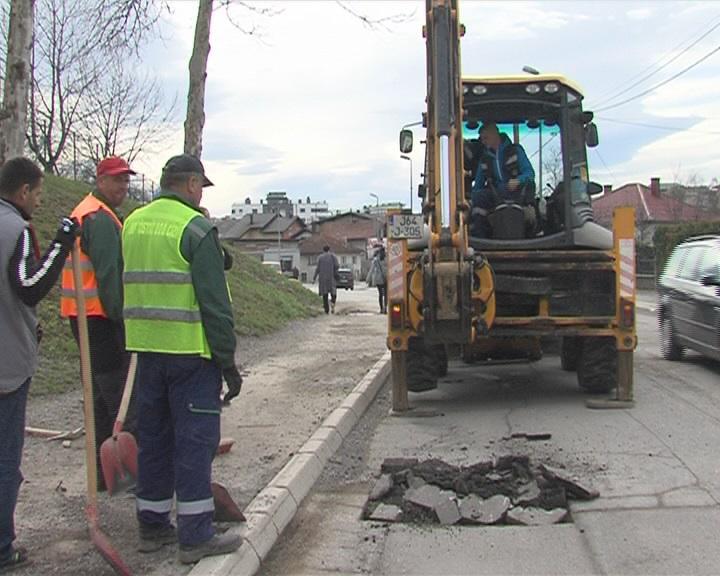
(178, 319)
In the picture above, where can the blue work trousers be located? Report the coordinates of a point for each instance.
(178, 427)
(12, 438)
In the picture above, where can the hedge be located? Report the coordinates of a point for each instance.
(667, 236)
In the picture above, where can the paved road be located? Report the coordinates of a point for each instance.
(656, 467)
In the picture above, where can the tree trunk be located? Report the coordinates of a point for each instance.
(13, 113)
(195, 119)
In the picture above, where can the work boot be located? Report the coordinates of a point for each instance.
(332, 307)
(152, 538)
(218, 544)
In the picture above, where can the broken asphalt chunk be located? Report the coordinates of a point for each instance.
(572, 486)
(395, 465)
(446, 510)
(382, 486)
(426, 496)
(532, 516)
(479, 511)
(386, 513)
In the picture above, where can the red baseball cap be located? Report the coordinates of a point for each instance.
(112, 166)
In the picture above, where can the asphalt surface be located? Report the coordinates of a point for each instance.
(655, 466)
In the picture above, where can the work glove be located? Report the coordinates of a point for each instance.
(67, 232)
(234, 381)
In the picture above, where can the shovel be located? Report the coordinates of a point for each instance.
(118, 454)
(99, 540)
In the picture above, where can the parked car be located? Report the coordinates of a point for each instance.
(689, 299)
(345, 279)
(273, 266)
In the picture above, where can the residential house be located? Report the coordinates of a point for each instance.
(269, 237)
(348, 255)
(358, 230)
(656, 204)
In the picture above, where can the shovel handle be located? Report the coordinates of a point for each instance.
(127, 393)
(86, 377)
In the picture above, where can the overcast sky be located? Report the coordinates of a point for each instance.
(313, 102)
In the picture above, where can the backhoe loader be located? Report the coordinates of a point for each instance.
(556, 276)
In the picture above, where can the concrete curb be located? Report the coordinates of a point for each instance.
(275, 506)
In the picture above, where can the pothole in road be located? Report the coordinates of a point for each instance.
(508, 490)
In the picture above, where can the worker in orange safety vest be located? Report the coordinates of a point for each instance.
(101, 266)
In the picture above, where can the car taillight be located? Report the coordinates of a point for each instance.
(396, 315)
(627, 313)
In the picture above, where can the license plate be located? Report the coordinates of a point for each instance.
(405, 226)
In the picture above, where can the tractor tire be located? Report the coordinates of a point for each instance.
(422, 368)
(441, 360)
(669, 348)
(597, 364)
(569, 351)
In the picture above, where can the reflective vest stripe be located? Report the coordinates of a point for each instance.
(169, 314)
(85, 265)
(157, 277)
(68, 293)
(68, 306)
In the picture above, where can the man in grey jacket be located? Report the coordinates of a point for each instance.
(326, 270)
(25, 278)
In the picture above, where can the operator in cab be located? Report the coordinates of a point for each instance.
(504, 175)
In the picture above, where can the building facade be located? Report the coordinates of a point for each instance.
(279, 203)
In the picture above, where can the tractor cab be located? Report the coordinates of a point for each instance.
(545, 133)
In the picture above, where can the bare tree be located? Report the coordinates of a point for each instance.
(553, 166)
(195, 117)
(124, 24)
(65, 67)
(13, 112)
(122, 115)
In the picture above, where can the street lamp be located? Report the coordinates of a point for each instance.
(377, 200)
(411, 173)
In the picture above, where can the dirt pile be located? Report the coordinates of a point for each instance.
(509, 490)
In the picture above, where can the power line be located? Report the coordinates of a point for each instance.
(663, 83)
(653, 72)
(604, 164)
(658, 126)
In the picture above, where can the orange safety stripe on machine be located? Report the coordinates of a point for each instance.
(68, 306)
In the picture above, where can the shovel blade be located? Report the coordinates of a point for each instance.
(225, 508)
(118, 459)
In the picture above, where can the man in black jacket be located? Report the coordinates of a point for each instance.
(25, 278)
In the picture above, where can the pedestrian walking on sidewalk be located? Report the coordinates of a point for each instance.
(377, 276)
(326, 271)
(26, 278)
(101, 263)
(179, 320)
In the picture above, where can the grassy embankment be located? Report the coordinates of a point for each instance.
(263, 300)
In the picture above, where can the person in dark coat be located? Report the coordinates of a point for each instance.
(377, 276)
(326, 270)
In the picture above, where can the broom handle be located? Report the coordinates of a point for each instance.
(86, 376)
(127, 393)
